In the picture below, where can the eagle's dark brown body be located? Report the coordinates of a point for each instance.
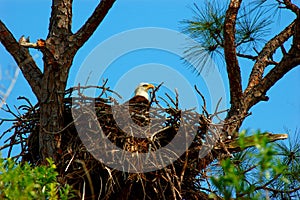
(139, 105)
(139, 110)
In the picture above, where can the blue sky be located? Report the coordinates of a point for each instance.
(31, 18)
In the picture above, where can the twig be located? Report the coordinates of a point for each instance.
(247, 56)
(157, 132)
(87, 175)
(153, 97)
(70, 162)
(283, 50)
(104, 90)
(172, 101)
(70, 90)
(63, 129)
(203, 99)
(165, 102)
(177, 97)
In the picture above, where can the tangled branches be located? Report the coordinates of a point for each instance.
(104, 154)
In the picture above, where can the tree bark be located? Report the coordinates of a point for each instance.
(233, 68)
(57, 62)
(232, 65)
(58, 50)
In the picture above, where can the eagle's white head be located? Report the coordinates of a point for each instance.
(142, 90)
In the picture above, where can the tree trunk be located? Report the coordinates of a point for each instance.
(52, 111)
(57, 57)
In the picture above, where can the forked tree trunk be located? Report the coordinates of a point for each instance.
(57, 56)
(58, 50)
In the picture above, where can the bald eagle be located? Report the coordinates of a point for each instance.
(139, 105)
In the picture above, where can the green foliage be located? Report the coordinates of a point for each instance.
(21, 181)
(207, 28)
(258, 173)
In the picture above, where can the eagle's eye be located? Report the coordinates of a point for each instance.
(145, 85)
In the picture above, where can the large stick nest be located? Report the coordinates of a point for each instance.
(87, 158)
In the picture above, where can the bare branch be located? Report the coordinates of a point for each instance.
(26, 43)
(233, 69)
(203, 99)
(247, 56)
(283, 50)
(272, 62)
(289, 61)
(289, 5)
(23, 59)
(266, 53)
(153, 96)
(86, 31)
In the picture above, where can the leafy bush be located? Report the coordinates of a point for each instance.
(22, 181)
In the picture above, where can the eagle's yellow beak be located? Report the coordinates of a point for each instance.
(150, 86)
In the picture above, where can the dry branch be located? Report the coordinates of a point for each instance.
(86, 31)
(23, 58)
(267, 51)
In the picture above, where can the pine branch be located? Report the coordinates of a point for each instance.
(233, 69)
(24, 60)
(86, 31)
